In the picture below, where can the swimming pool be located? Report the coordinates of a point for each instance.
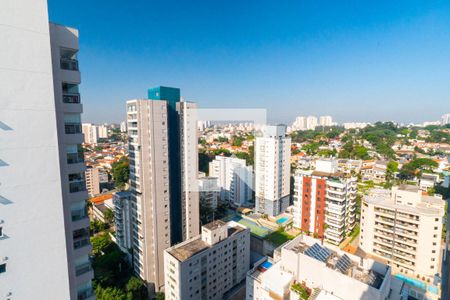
(411, 281)
(282, 220)
(266, 264)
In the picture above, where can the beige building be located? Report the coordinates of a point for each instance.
(90, 132)
(92, 175)
(404, 228)
(208, 265)
(149, 175)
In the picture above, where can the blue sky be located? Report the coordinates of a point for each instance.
(354, 60)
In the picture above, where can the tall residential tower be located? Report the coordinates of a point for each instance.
(163, 172)
(44, 227)
(272, 170)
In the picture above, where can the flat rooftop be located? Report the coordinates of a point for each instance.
(189, 248)
(215, 225)
(337, 260)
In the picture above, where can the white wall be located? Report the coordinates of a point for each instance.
(33, 221)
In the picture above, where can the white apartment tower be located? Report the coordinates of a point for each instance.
(43, 252)
(325, 201)
(325, 121)
(404, 227)
(90, 132)
(272, 170)
(149, 176)
(209, 265)
(311, 122)
(235, 179)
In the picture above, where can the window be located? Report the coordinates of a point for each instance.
(1, 231)
(2, 268)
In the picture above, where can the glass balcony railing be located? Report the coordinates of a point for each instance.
(75, 187)
(69, 64)
(72, 128)
(75, 158)
(82, 269)
(81, 243)
(79, 214)
(71, 98)
(85, 294)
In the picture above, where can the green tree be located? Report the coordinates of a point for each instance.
(391, 169)
(160, 296)
(100, 243)
(109, 293)
(237, 141)
(136, 289)
(121, 172)
(108, 214)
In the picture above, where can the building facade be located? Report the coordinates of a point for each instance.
(208, 265)
(208, 188)
(272, 170)
(122, 219)
(325, 201)
(39, 117)
(90, 132)
(149, 177)
(235, 179)
(163, 168)
(92, 175)
(404, 228)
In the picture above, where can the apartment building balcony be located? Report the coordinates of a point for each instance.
(384, 227)
(406, 241)
(335, 197)
(407, 225)
(71, 98)
(405, 233)
(72, 128)
(75, 158)
(77, 186)
(403, 247)
(385, 220)
(86, 294)
(67, 63)
(408, 218)
(79, 214)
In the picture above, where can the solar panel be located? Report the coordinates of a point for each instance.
(343, 263)
(318, 252)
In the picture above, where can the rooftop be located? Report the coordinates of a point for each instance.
(337, 260)
(215, 225)
(189, 248)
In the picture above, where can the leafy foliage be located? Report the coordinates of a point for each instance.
(121, 171)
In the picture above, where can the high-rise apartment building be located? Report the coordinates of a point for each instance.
(149, 176)
(272, 170)
(102, 131)
(445, 119)
(325, 121)
(404, 227)
(122, 219)
(325, 201)
(163, 165)
(299, 123)
(311, 122)
(209, 265)
(235, 179)
(44, 227)
(190, 209)
(92, 176)
(90, 132)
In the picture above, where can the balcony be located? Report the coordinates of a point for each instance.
(72, 98)
(75, 158)
(75, 187)
(79, 214)
(70, 64)
(72, 128)
(82, 269)
(85, 294)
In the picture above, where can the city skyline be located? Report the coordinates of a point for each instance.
(351, 62)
